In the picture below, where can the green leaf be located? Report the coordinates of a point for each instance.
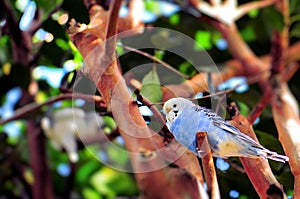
(110, 183)
(248, 33)
(151, 86)
(244, 109)
(174, 19)
(118, 154)
(62, 44)
(187, 68)
(253, 13)
(47, 6)
(153, 6)
(272, 18)
(269, 141)
(109, 122)
(294, 6)
(85, 171)
(203, 40)
(294, 18)
(295, 32)
(91, 193)
(159, 54)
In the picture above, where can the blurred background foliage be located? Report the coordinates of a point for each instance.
(57, 59)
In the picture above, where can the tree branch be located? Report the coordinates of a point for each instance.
(208, 165)
(130, 123)
(233, 68)
(33, 107)
(42, 186)
(257, 169)
(288, 124)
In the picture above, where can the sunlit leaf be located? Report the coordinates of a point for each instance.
(175, 19)
(85, 171)
(110, 183)
(203, 39)
(159, 54)
(109, 122)
(62, 43)
(151, 86)
(153, 6)
(91, 193)
(253, 13)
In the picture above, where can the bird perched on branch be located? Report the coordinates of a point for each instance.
(185, 119)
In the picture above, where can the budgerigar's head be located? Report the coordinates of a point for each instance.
(174, 106)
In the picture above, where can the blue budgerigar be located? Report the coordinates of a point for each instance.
(185, 119)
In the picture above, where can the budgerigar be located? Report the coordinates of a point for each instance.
(185, 119)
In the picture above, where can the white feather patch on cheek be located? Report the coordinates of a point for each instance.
(171, 116)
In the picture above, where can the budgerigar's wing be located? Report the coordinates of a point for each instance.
(223, 124)
(231, 129)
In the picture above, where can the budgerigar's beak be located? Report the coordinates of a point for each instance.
(167, 109)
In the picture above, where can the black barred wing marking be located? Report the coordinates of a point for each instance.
(223, 124)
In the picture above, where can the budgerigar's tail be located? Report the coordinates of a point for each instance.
(275, 156)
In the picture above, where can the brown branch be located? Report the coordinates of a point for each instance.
(33, 107)
(21, 40)
(112, 31)
(232, 68)
(247, 7)
(287, 122)
(285, 110)
(133, 23)
(257, 169)
(208, 165)
(131, 125)
(260, 106)
(228, 11)
(268, 94)
(42, 186)
(187, 160)
(167, 182)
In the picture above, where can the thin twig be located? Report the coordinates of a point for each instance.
(251, 80)
(245, 8)
(33, 107)
(37, 23)
(260, 106)
(154, 59)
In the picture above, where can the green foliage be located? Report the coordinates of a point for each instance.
(272, 19)
(203, 39)
(175, 19)
(295, 32)
(112, 183)
(47, 6)
(151, 86)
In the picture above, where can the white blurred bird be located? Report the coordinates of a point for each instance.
(67, 125)
(185, 119)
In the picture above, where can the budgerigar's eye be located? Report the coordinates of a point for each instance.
(174, 105)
